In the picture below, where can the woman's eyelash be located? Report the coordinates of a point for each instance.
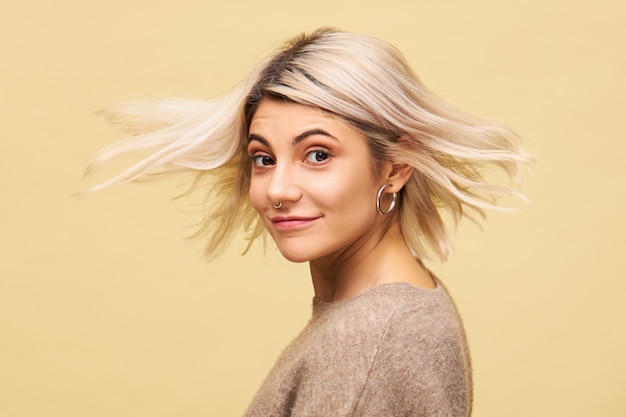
(313, 156)
(261, 160)
(318, 155)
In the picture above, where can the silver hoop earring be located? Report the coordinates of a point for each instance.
(393, 201)
(277, 206)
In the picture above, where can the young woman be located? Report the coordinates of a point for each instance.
(335, 148)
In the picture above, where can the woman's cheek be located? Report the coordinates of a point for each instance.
(256, 195)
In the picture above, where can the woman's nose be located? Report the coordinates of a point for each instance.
(283, 185)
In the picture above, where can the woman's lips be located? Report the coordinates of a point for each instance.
(292, 222)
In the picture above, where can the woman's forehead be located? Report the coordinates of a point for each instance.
(275, 114)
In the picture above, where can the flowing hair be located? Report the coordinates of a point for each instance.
(361, 79)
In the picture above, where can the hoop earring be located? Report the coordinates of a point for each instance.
(277, 206)
(393, 201)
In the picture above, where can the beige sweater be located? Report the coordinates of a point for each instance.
(396, 350)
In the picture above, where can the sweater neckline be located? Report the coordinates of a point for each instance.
(390, 288)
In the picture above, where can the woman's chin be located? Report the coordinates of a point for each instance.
(296, 255)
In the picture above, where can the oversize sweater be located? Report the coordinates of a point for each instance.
(395, 350)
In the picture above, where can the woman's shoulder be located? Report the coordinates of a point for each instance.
(401, 307)
(406, 298)
(417, 311)
(422, 364)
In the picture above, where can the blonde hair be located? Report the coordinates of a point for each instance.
(364, 80)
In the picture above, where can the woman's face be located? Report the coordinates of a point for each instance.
(320, 168)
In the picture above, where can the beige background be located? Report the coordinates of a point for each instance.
(105, 309)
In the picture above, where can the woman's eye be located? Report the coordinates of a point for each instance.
(261, 160)
(317, 156)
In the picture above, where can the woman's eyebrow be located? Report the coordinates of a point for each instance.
(258, 138)
(311, 132)
(296, 140)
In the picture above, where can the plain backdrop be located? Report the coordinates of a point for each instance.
(107, 310)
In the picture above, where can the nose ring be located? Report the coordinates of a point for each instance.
(277, 206)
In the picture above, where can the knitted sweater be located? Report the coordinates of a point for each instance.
(395, 350)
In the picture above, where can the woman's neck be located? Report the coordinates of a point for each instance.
(380, 260)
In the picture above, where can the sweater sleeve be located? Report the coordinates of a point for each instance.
(420, 369)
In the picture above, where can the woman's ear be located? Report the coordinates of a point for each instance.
(397, 175)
